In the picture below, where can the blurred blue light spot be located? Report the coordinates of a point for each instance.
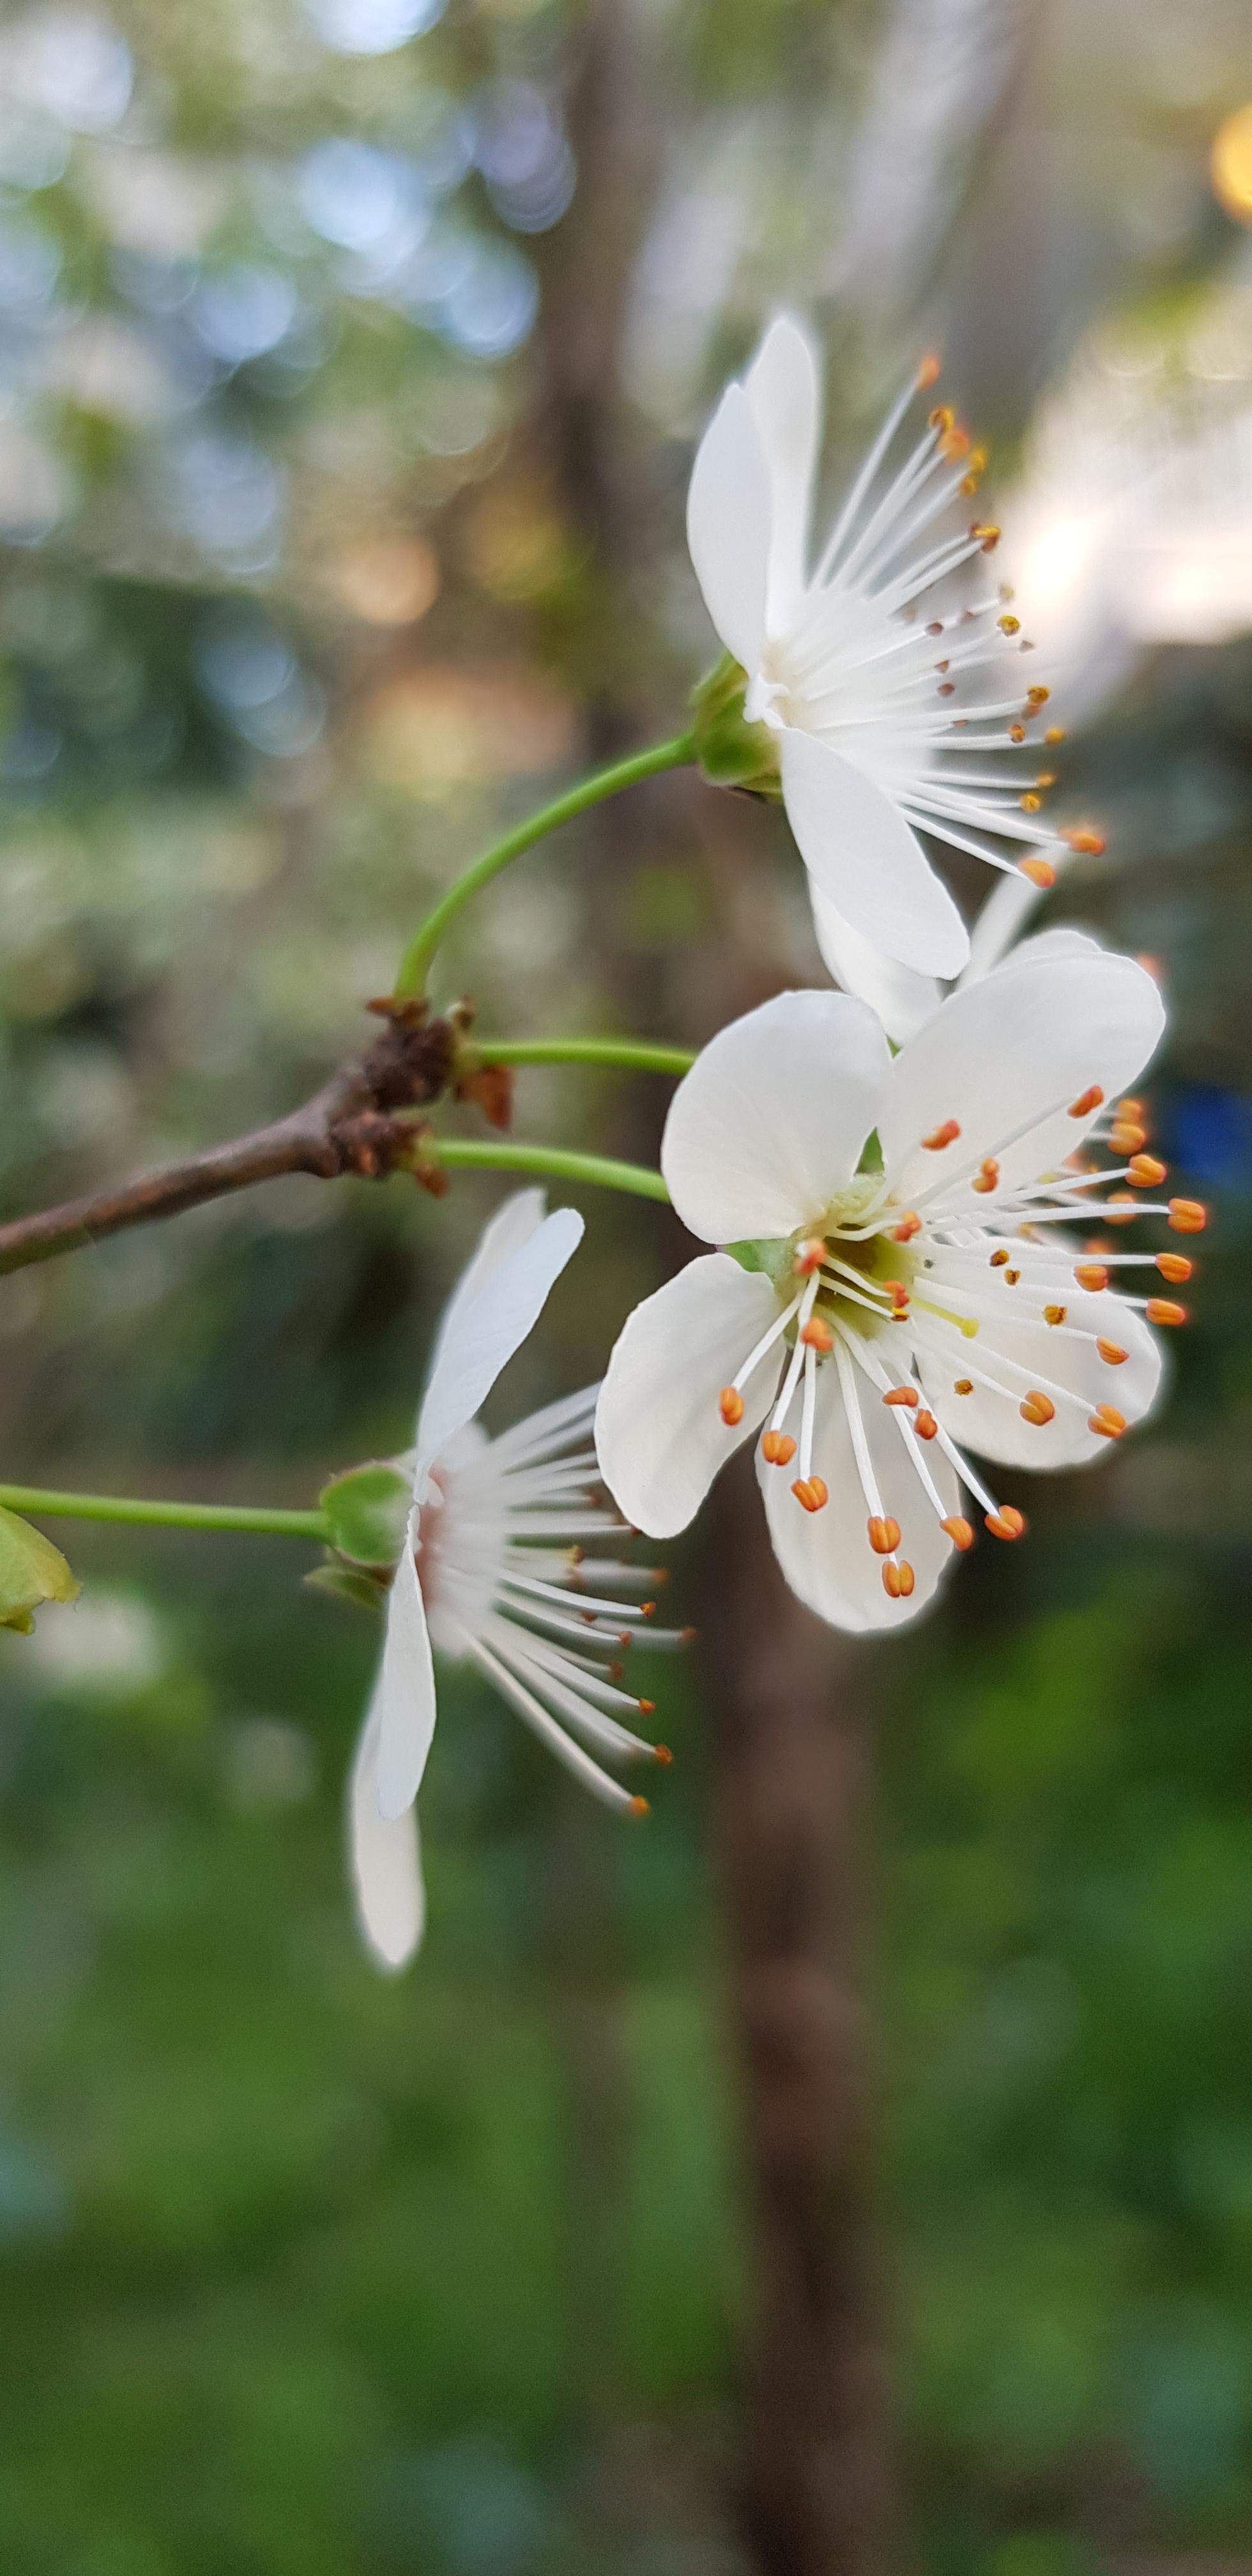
(372, 26)
(33, 2199)
(79, 68)
(30, 264)
(352, 193)
(492, 307)
(229, 498)
(1207, 1131)
(243, 311)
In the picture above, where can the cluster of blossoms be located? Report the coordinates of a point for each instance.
(898, 1185)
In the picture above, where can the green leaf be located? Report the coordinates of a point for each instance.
(367, 1509)
(31, 1570)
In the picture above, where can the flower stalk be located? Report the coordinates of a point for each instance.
(553, 1162)
(144, 1512)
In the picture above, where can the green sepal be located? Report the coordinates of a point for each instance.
(366, 1509)
(347, 1583)
(731, 752)
(31, 1570)
(775, 1256)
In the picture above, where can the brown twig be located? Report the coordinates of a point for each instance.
(357, 1123)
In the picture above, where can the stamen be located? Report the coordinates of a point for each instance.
(962, 1386)
(925, 1425)
(816, 1334)
(1055, 1314)
(1086, 1101)
(777, 1448)
(901, 1395)
(1086, 845)
(909, 1225)
(988, 1178)
(1175, 1267)
(1038, 1408)
(946, 1134)
(959, 1531)
(1007, 1522)
(1111, 1351)
(811, 1492)
(1162, 1310)
(732, 1407)
(1091, 1275)
(1187, 1216)
(1145, 1172)
(898, 1579)
(809, 1256)
(1108, 1421)
(884, 1534)
(1040, 872)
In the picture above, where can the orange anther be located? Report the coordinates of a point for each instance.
(1011, 1278)
(638, 1807)
(1125, 1138)
(1162, 1310)
(1055, 733)
(955, 443)
(1038, 696)
(1008, 1522)
(1146, 1172)
(1055, 1314)
(809, 1256)
(884, 1535)
(1046, 779)
(998, 1260)
(646, 1707)
(1186, 1216)
(1040, 872)
(945, 1134)
(909, 1225)
(778, 1448)
(989, 1176)
(661, 1753)
(942, 417)
(1087, 845)
(927, 372)
(647, 1609)
(1175, 1267)
(816, 1335)
(925, 1425)
(1112, 1352)
(1017, 733)
(1087, 1101)
(1030, 802)
(1107, 1421)
(905, 1579)
(962, 1386)
(1091, 1274)
(1120, 1208)
(1129, 1108)
(811, 1492)
(731, 1403)
(986, 534)
(1037, 1407)
(898, 1294)
(959, 1531)
(901, 1395)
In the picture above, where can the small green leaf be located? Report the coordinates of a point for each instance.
(31, 1570)
(345, 1583)
(367, 1509)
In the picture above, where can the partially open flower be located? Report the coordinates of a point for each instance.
(897, 1293)
(493, 1572)
(884, 679)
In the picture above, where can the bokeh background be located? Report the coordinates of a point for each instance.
(351, 355)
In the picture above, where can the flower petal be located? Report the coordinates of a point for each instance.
(826, 1556)
(902, 998)
(769, 1124)
(729, 526)
(404, 1693)
(1022, 1352)
(784, 394)
(852, 835)
(481, 1330)
(660, 1436)
(384, 1860)
(1017, 1048)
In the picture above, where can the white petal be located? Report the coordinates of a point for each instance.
(769, 1124)
(854, 838)
(1022, 1352)
(728, 526)
(512, 1225)
(784, 393)
(1020, 1046)
(660, 1436)
(404, 1693)
(481, 1331)
(1001, 918)
(385, 1861)
(826, 1556)
(902, 999)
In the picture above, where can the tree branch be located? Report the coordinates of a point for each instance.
(352, 1125)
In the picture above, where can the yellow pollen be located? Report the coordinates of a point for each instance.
(1162, 1310)
(959, 1531)
(986, 534)
(1017, 733)
(1030, 802)
(962, 1386)
(1086, 1101)
(1175, 1267)
(731, 1403)
(778, 1448)
(1008, 1522)
(1038, 696)
(1037, 1408)
(998, 1260)
(1040, 872)
(1187, 1216)
(1046, 779)
(1009, 625)
(1055, 1314)
(942, 418)
(884, 1535)
(1011, 1278)
(1055, 733)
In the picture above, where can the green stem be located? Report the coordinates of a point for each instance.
(258, 1519)
(558, 1162)
(416, 962)
(635, 1053)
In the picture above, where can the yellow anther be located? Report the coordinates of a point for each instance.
(962, 1386)
(1030, 803)
(998, 1259)
(941, 418)
(1009, 625)
(1086, 845)
(1040, 872)
(884, 1535)
(1145, 1172)
(1091, 1275)
(1107, 1421)
(1038, 696)
(1017, 733)
(1055, 733)
(1175, 1267)
(985, 534)
(1055, 1314)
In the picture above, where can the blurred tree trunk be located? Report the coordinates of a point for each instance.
(814, 2490)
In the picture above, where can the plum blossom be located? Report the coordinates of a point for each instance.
(889, 722)
(903, 1285)
(493, 1573)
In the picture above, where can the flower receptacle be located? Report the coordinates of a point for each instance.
(730, 751)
